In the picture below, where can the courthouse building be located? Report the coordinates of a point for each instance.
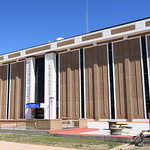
(100, 75)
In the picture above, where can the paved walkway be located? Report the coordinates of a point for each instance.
(19, 146)
(99, 130)
(137, 127)
(74, 131)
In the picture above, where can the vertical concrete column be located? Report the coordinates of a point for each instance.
(128, 82)
(30, 85)
(50, 86)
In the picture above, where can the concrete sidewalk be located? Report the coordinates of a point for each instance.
(20, 146)
(86, 133)
(99, 131)
(137, 127)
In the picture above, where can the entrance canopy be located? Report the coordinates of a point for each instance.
(33, 105)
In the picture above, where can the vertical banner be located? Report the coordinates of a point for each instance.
(30, 85)
(50, 86)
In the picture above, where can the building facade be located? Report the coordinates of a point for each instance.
(100, 75)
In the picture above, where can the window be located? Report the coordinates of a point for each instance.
(39, 80)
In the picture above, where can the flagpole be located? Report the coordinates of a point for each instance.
(87, 19)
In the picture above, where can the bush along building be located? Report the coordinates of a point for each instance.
(100, 75)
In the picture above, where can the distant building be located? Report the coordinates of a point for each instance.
(101, 75)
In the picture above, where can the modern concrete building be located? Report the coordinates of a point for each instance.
(100, 75)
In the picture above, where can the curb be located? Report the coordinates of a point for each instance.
(29, 132)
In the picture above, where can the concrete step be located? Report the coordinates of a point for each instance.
(68, 125)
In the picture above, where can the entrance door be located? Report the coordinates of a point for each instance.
(39, 113)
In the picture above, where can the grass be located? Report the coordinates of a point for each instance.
(59, 141)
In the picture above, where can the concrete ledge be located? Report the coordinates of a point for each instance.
(29, 132)
(81, 123)
(26, 123)
(49, 124)
(20, 123)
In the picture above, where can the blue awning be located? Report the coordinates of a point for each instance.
(33, 105)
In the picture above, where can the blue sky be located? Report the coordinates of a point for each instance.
(26, 23)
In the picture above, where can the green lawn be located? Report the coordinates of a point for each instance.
(59, 141)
